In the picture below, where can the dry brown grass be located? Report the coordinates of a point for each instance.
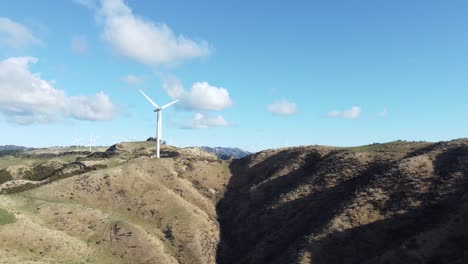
(400, 202)
(141, 210)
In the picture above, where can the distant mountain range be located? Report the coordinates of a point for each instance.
(220, 152)
(12, 147)
(227, 153)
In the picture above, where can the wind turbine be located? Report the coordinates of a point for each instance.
(158, 110)
(92, 142)
(76, 141)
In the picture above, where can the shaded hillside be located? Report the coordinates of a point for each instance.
(385, 203)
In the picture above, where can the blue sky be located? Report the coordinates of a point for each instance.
(253, 75)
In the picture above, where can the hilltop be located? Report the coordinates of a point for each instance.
(399, 202)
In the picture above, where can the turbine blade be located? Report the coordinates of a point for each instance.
(169, 104)
(149, 99)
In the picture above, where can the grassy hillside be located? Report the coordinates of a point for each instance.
(6, 217)
(136, 210)
(399, 202)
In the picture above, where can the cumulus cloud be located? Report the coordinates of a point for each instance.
(16, 35)
(79, 44)
(94, 108)
(283, 108)
(141, 39)
(352, 113)
(204, 96)
(171, 85)
(200, 121)
(201, 96)
(26, 98)
(132, 79)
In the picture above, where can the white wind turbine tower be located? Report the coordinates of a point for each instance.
(158, 110)
(92, 142)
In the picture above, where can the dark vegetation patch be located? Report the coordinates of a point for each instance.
(170, 154)
(5, 176)
(41, 172)
(53, 155)
(20, 188)
(14, 153)
(49, 174)
(169, 234)
(100, 155)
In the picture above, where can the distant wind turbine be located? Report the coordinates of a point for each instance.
(92, 142)
(76, 141)
(158, 110)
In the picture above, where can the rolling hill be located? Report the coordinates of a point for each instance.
(385, 203)
(129, 209)
(400, 202)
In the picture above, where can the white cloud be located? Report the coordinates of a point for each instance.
(202, 95)
(79, 44)
(200, 121)
(171, 85)
(335, 114)
(16, 35)
(26, 98)
(282, 107)
(352, 113)
(133, 79)
(384, 113)
(95, 108)
(143, 40)
(91, 4)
